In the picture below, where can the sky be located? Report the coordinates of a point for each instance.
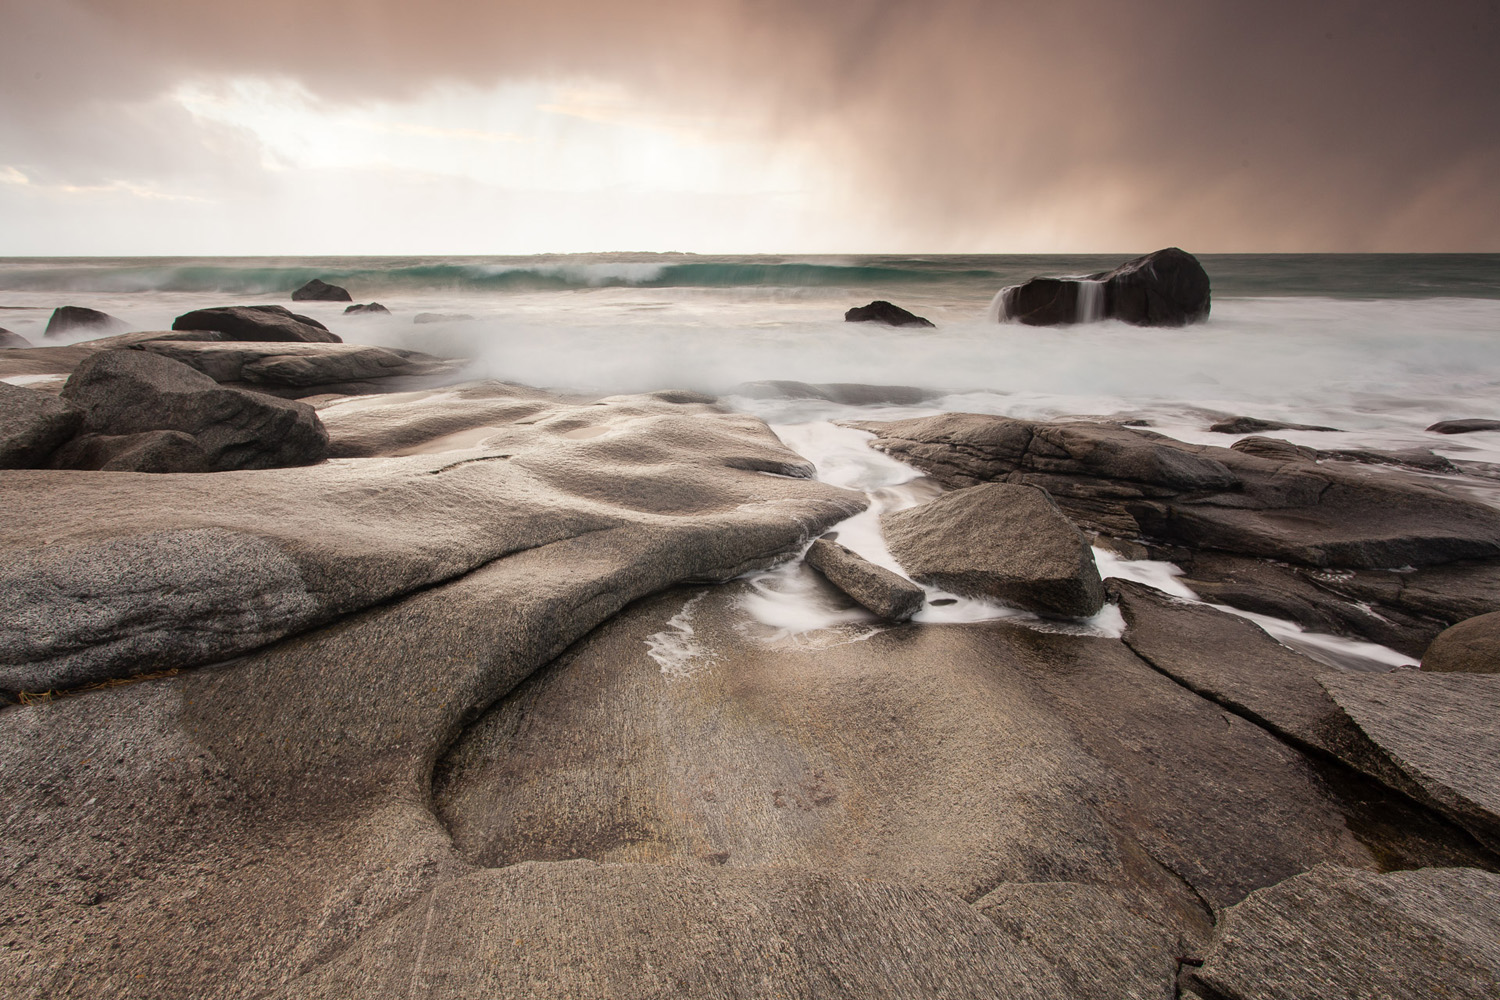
(143, 127)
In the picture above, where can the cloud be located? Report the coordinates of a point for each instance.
(951, 124)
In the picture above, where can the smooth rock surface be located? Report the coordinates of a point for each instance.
(33, 425)
(1472, 647)
(1332, 934)
(263, 323)
(318, 290)
(294, 364)
(147, 451)
(881, 311)
(1439, 729)
(71, 319)
(878, 589)
(1001, 541)
(131, 392)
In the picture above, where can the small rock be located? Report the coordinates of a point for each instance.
(32, 426)
(1464, 426)
(1002, 541)
(1254, 425)
(130, 392)
(440, 317)
(874, 587)
(66, 319)
(1336, 932)
(263, 323)
(11, 340)
(1470, 647)
(881, 311)
(318, 290)
(372, 307)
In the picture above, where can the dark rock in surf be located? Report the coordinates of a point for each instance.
(370, 307)
(263, 323)
(1000, 541)
(1464, 426)
(132, 392)
(1165, 288)
(12, 340)
(70, 319)
(873, 587)
(318, 290)
(1470, 647)
(1255, 425)
(33, 425)
(881, 311)
(1334, 932)
(849, 393)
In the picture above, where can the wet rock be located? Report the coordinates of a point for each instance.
(1464, 426)
(1333, 933)
(259, 323)
(295, 364)
(1439, 729)
(874, 587)
(1412, 458)
(881, 311)
(148, 451)
(1471, 647)
(33, 425)
(851, 393)
(1255, 425)
(73, 319)
(10, 341)
(1000, 541)
(1101, 950)
(131, 392)
(1275, 449)
(1165, 288)
(317, 290)
(368, 307)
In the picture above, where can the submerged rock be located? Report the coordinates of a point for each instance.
(368, 307)
(1165, 288)
(131, 392)
(317, 290)
(9, 341)
(1255, 425)
(33, 425)
(1464, 426)
(881, 311)
(850, 393)
(261, 323)
(70, 319)
(1472, 647)
(1002, 542)
(873, 587)
(1333, 933)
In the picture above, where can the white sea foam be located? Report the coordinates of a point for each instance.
(676, 648)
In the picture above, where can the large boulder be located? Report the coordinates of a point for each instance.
(881, 311)
(295, 364)
(263, 323)
(10, 341)
(148, 451)
(318, 290)
(74, 319)
(131, 392)
(1472, 647)
(1003, 542)
(33, 425)
(1165, 288)
(1333, 933)
(873, 587)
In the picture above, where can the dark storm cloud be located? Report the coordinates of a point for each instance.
(1103, 125)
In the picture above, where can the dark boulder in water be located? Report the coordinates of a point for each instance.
(851, 393)
(133, 392)
(67, 319)
(372, 307)
(1464, 426)
(148, 451)
(318, 290)
(264, 323)
(33, 425)
(1165, 288)
(881, 311)
(1255, 425)
(12, 340)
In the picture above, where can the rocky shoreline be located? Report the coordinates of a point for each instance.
(464, 701)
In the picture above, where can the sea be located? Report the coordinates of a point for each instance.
(1379, 346)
